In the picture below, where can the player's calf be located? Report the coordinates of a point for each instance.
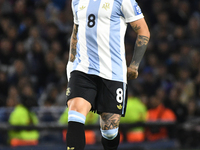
(109, 130)
(75, 133)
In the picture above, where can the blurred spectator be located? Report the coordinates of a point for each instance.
(136, 111)
(19, 71)
(6, 57)
(10, 102)
(19, 11)
(13, 93)
(61, 98)
(164, 78)
(164, 28)
(51, 10)
(193, 29)
(12, 34)
(174, 63)
(41, 19)
(49, 95)
(20, 52)
(152, 62)
(35, 63)
(158, 112)
(197, 86)
(47, 115)
(194, 62)
(35, 37)
(150, 83)
(5, 7)
(193, 111)
(180, 12)
(59, 76)
(24, 137)
(26, 24)
(3, 88)
(173, 102)
(56, 48)
(185, 51)
(179, 33)
(186, 85)
(5, 22)
(52, 33)
(157, 6)
(64, 22)
(60, 4)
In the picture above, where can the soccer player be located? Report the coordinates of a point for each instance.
(97, 68)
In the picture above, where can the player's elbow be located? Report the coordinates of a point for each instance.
(148, 33)
(145, 32)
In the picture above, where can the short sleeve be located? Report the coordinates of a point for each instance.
(131, 11)
(73, 5)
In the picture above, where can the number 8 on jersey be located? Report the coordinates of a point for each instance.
(91, 20)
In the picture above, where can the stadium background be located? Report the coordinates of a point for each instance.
(34, 46)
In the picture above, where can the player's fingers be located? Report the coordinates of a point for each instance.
(132, 75)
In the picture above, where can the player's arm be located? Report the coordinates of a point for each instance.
(73, 42)
(143, 35)
(72, 51)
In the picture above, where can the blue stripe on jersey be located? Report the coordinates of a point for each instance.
(117, 67)
(91, 36)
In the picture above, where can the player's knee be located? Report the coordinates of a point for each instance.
(76, 104)
(109, 134)
(76, 117)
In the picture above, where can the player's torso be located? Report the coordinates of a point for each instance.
(101, 38)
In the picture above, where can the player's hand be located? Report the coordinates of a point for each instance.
(132, 72)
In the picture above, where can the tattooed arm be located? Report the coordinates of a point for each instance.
(143, 35)
(73, 42)
(72, 51)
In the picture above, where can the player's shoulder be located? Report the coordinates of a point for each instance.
(75, 2)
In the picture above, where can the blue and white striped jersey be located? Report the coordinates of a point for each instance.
(101, 30)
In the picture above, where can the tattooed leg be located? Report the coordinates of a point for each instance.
(109, 121)
(109, 129)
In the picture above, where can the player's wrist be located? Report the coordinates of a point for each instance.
(134, 66)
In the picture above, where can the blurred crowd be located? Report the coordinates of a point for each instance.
(34, 48)
(170, 70)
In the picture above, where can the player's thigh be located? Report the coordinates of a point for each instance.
(109, 121)
(81, 92)
(80, 105)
